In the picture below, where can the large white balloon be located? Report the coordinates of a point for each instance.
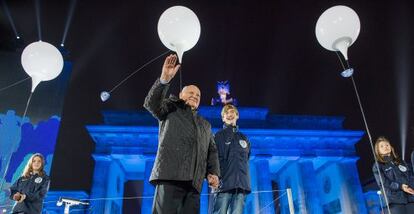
(179, 29)
(42, 62)
(337, 29)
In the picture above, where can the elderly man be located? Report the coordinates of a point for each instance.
(186, 150)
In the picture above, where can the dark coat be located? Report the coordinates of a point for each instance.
(35, 188)
(186, 148)
(234, 152)
(393, 176)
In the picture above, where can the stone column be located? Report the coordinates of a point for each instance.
(100, 181)
(352, 198)
(204, 198)
(264, 183)
(148, 189)
(310, 185)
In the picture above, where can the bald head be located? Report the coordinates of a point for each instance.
(191, 96)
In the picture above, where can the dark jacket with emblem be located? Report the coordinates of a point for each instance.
(393, 176)
(35, 188)
(186, 147)
(234, 153)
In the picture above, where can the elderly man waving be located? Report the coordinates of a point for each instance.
(186, 150)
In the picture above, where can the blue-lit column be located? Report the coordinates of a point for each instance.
(149, 189)
(204, 198)
(100, 181)
(352, 197)
(264, 183)
(311, 189)
(252, 200)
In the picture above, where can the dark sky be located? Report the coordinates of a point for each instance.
(266, 49)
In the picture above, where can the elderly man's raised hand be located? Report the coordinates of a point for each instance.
(170, 68)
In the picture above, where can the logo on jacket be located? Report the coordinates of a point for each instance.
(402, 168)
(243, 144)
(38, 180)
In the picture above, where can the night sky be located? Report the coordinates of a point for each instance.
(266, 49)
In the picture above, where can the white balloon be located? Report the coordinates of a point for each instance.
(179, 29)
(41, 61)
(337, 29)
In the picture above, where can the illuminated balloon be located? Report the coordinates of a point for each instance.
(179, 29)
(42, 62)
(337, 29)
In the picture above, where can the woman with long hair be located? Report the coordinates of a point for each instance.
(31, 188)
(397, 177)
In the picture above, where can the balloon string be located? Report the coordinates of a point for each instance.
(367, 130)
(340, 60)
(272, 202)
(347, 63)
(181, 78)
(27, 106)
(9, 159)
(370, 142)
(16, 83)
(282, 193)
(140, 68)
(3, 180)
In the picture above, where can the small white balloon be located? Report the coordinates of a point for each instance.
(179, 29)
(41, 61)
(337, 29)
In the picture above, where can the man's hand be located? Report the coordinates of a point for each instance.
(213, 181)
(17, 196)
(22, 197)
(169, 69)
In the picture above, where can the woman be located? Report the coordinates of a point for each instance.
(397, 177)
(31, 188)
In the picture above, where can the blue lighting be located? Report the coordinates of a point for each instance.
(313, 155)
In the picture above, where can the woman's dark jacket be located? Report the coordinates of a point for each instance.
(35, 188)
(393, 176)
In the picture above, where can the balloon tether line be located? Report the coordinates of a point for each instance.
(181, 78)
(368, 132)
(14, 84)
(140, 68)
(9, 159)
(27, 105)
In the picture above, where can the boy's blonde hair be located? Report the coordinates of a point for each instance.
(227, 108)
